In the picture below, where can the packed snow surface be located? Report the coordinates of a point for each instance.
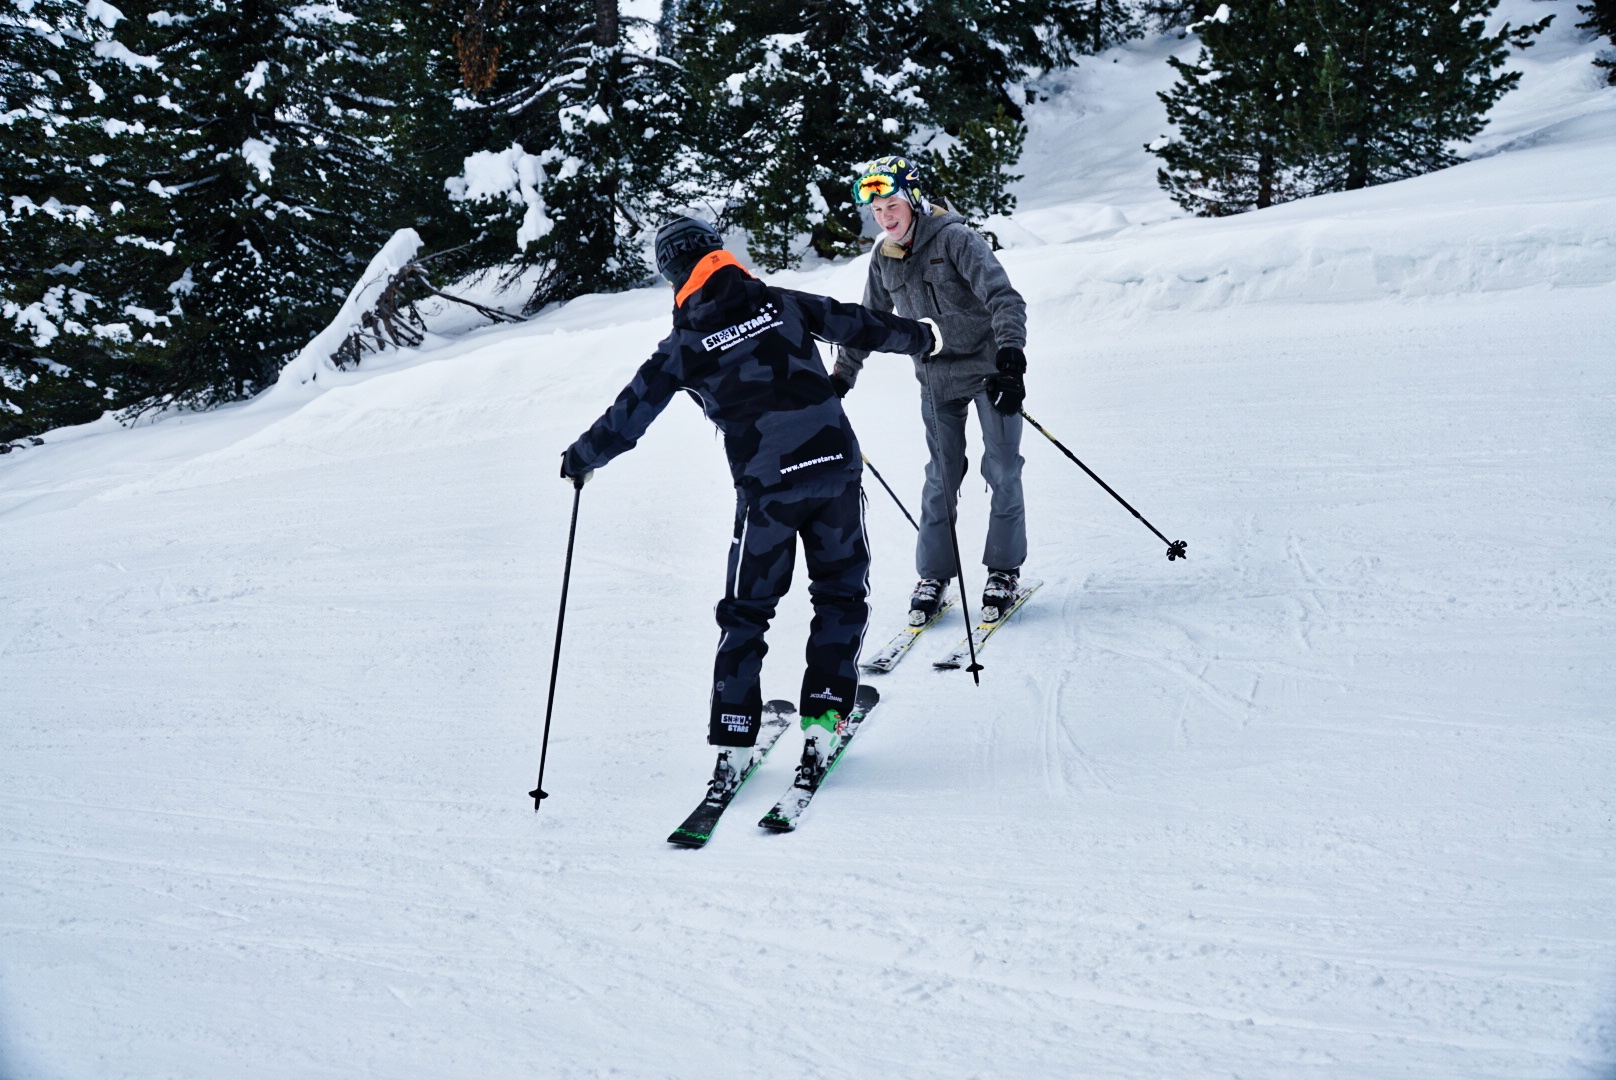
(1333, 797)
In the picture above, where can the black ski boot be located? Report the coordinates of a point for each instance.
(925, 600)
(999, 594)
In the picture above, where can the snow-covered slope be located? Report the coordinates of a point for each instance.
(1331, 798)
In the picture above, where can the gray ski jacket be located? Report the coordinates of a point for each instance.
(949, 273)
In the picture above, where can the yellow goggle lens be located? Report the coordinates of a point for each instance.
(874, 186)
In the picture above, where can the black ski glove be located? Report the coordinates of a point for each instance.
(1011, 361)
(1006, 393)
(577, 477)
(1007, 390)
(839, 384)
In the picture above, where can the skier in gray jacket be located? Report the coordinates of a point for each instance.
(931, 264)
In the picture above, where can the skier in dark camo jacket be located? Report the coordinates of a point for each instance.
(746, 351)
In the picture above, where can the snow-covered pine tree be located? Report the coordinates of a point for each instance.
(433, 63)
(265, 144)
(792, 93)
(796, 92)
(1400, 82)
(1163, 15)
(81, 313)
(1296, 97)
(620, 127)
(582, 124)
(1104, 23)
(1240, 110)
(971, 62)
(973, 177)
(1602, 21)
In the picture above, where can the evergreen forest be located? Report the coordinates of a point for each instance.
(189, 188)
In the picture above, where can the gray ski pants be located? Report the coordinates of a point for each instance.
(1006, 547)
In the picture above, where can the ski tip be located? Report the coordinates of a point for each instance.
(683, 839)
(775, 823)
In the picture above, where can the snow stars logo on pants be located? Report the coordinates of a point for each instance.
(737, 723)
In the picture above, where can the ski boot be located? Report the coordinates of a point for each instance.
(999, 594)
(733, 761)
(925, 600)
(821, 735)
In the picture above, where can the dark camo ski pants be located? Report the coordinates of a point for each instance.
(830, 523)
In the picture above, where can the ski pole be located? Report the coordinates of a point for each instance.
(1175, 548)
(873, 472)
(953, 532)
(538, 793)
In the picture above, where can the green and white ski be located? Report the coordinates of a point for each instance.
(698, 827)
(783, 818)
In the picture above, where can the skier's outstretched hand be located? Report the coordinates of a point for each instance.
(576, 479)
(936, 336)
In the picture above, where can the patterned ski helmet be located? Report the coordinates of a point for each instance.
(890, 175)
(680, 244)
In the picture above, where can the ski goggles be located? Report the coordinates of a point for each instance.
(874, 185)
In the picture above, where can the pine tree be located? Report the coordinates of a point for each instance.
(1400, 82)
(970, 62)
(799, 91)
(793, 94)
(265, 146)
(1602, 20)
(1240, 112)
(582, 124)
(1296, 97)
(81, 316)
(1105, 23)
(432, 120)
(973, 178)
(1163, 15)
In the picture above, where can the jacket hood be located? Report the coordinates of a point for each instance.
(728, 294)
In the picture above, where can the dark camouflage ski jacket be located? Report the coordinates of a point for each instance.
(746, 351)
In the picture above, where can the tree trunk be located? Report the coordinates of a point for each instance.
(605, 23)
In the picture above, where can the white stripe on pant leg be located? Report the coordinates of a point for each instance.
(731, 586)
(864, 534)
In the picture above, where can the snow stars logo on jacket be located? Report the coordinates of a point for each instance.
(767, 319)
